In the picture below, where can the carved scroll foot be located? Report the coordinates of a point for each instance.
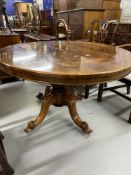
(85, 128)
(30, 127)
(48, 99)
(70, 100)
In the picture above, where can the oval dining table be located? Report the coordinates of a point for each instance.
(63, 64)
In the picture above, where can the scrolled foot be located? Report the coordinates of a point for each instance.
(30, 127)
(85, 128)
(40, 96)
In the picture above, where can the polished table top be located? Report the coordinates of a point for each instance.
(40, 37)
(19, 30)
(66, 62)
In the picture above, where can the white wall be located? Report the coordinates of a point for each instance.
(40, 3)
(126, 10)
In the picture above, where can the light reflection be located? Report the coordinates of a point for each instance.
(29, 57)
(44, 68)
(83, 65)
(63, 46)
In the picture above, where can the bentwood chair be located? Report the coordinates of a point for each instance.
(63, 31)
(5, 168)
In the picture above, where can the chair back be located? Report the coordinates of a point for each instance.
(62, 30)
(102, 35)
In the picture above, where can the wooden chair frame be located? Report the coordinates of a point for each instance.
(102, 87)
(7, 169)
(127, 84)
(102, 34)
(68, 33)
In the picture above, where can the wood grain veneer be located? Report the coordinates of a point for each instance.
(66, 62)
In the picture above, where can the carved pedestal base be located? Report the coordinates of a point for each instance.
(59, 96)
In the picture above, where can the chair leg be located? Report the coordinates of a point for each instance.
(1, 143)
(105, 84)
(87, 91)
(7, 169)
(4, 163)
(100, 92)
(128, 89)
(129, 121)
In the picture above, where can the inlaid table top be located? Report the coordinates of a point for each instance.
(63, 64)
(66, 62)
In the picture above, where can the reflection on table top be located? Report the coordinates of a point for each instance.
(40, 37)
(68, 62)
(19, 30)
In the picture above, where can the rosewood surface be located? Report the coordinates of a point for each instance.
(63, 64)
(38, 37)
(66, 62)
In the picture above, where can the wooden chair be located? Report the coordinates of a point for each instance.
(6, 168)
(101, 36)
(126, 83)
(63, 31)
(97, 31)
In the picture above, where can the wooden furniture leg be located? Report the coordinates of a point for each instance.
(129, 121)
(48, 99)
(100, 92)
(87, 91)
(101, 89)
(70, 102)
(7, 169)
(128, 89)
(59, 96)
